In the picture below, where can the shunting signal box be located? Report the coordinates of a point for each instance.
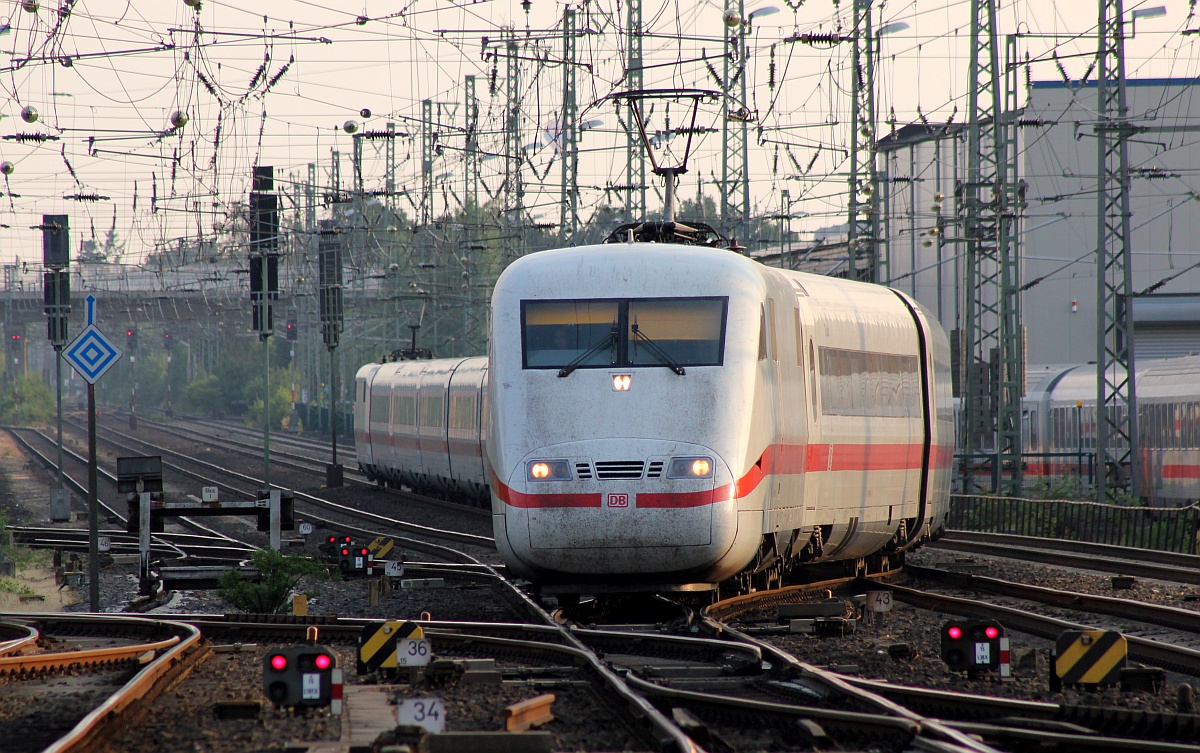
(299, 676)
(354, 559)
(972, 646)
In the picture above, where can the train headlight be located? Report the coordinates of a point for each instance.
(548, 470)
(690, 468)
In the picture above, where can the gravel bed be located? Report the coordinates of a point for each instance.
(35, 713)
(183, 720)
(866, 649)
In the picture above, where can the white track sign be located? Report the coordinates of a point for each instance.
(879, 601)
(428, 713)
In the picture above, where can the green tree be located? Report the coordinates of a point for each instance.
(31, 403)
(205, 395)
(279, 575)
(281, 402)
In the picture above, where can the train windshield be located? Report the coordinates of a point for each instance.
(667, 332)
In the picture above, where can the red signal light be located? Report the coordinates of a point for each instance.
(345, 552)
(954, 631)
(333, 539)
(278, 662)
(364, 552)
(992, 632)
(322, 661)
(347, 539)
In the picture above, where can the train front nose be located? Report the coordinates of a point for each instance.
(636, 508)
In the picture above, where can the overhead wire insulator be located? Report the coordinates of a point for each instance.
(771, 70)
(257, 78)
(826, 38)
(30, 137)
(712, 71)
(280, 73)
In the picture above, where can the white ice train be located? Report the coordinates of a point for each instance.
(1059, 426)
(667, 417)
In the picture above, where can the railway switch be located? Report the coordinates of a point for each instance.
(972, 646)
(299, 676)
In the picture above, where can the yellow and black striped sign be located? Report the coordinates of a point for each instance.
(1090, 657)
(378, 640)
(381, 547)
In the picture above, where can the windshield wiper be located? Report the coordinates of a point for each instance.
(607, 341)
(662, 356)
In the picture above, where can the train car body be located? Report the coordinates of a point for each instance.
(668, 417)
(1061, 413)
(419, 424)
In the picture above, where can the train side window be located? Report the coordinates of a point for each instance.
(379, 409)
(762, 332)
(406, 410)
(462, 412)
(812, 377)
(774, 325)
(432, 411)
(799, 339)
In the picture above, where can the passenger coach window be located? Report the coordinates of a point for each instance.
(633, 332)
(863, 383)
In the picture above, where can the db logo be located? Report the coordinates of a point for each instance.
(618, 500)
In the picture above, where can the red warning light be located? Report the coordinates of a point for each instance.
(992, 632)
(347, 539)
(364, 552)
(322, 661)
(333, 539)
(278, 662)
(345, 552)
(954, 631)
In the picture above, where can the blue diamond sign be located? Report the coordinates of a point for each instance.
(91, 354)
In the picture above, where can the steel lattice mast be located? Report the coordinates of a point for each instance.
(514, 206)
(993, 343)
(1116, 400)
(862, 229)
(635, 158)
(568, 133)
(735, 184)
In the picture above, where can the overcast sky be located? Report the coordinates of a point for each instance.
(107, 78)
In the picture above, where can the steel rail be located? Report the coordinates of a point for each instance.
(82, 491)
(847, 720)
(352, 474)
(1177, 658)
(140, 687)
(91, 657)
(730, 608)
(933, 731)
(1109, 551)
(456, 536)
(971, 708)
(1045, 551)
(1139, 611)
(23, 636)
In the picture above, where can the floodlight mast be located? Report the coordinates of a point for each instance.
(669, 173)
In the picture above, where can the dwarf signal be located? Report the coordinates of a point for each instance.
(973, 646)
(299, 676)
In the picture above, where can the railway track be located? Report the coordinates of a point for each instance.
(1143, 563)
(703, 691)
(151, 655)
